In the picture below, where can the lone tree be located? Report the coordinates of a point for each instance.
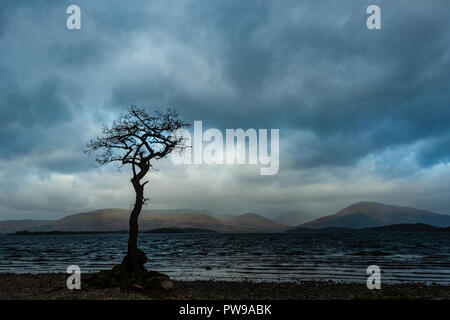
(137, 138)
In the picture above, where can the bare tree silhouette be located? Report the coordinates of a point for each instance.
(137, 138)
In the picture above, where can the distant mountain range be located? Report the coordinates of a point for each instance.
(117, 220)
(372, 214)
(357, 216)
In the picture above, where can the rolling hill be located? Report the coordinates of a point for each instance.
(372, 214)
(293, 218)
(251, 222)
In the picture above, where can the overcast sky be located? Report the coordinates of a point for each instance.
(363, 114)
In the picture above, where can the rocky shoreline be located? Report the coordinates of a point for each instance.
(53, 286)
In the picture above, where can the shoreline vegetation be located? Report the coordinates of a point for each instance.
(404, 227)
(49, 286)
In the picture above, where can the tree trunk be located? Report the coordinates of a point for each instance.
(135, 258)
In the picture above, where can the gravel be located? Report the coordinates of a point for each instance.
(53, 286)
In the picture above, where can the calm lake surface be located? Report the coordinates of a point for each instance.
(405, 257)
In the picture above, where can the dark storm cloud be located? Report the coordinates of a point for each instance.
(24, 115)
(288, 64)
(316, 67)
(39, 100)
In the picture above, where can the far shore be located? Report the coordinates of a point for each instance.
(394, 228)
(157, 230)
(50, 286)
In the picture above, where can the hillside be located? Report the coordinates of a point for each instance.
(372, 214)
(293, 218)
(251, 222)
